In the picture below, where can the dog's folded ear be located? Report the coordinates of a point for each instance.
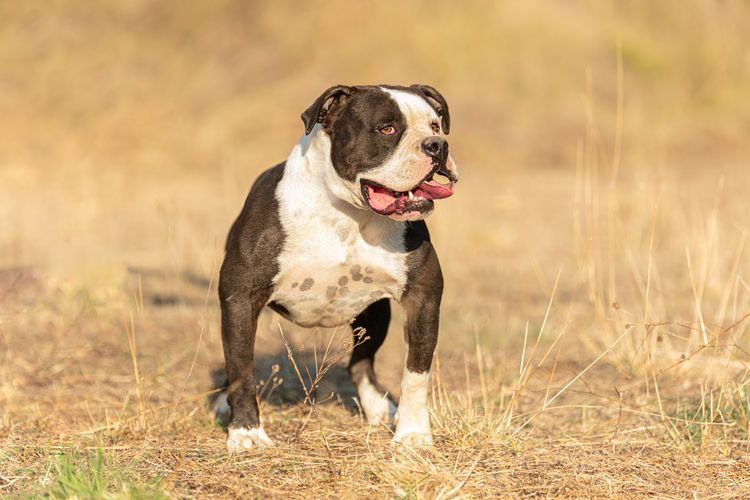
(319, 109)
(438, 103)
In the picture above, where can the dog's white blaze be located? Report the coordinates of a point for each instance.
(418, 113)
(378, 408)
(413, 417)
(241, 439)
(337, 258)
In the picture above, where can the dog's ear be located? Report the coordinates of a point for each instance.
(438, 103)
(318, 110)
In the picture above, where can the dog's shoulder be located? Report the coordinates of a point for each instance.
(258, 226)
(263, 190)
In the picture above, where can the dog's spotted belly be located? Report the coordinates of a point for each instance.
(331, 298)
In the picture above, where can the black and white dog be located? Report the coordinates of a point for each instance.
(329, 236)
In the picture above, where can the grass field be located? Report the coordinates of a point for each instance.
(594, 330)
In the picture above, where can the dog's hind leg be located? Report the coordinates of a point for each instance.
(378, 405)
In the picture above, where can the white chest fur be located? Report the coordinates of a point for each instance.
(337, 258)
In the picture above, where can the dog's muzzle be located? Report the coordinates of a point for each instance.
(436, 148)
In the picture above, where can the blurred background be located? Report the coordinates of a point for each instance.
(131, 131)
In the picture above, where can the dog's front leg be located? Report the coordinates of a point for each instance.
(421, 301)
(240, 308)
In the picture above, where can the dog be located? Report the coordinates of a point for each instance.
(331, 235)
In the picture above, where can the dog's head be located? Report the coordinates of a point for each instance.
(387, 147)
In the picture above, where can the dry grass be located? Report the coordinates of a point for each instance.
(594, 336)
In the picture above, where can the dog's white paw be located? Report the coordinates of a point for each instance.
(244, 439)
(412, 440)
(412, 427)
(378, 407)
(383, 413)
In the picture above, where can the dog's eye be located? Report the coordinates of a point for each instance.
(435, 128)
(387, 130)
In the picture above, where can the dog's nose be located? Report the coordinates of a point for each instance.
(436, 147)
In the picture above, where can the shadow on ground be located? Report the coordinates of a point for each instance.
(279, 383)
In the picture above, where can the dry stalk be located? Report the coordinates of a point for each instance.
(136, 372)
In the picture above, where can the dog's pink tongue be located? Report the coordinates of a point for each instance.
(433, 190)
(380, 199)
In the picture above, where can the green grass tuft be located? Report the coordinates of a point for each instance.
(93, 476)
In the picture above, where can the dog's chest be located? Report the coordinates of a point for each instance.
(331, 268)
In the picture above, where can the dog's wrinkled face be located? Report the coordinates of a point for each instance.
(387, 147)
